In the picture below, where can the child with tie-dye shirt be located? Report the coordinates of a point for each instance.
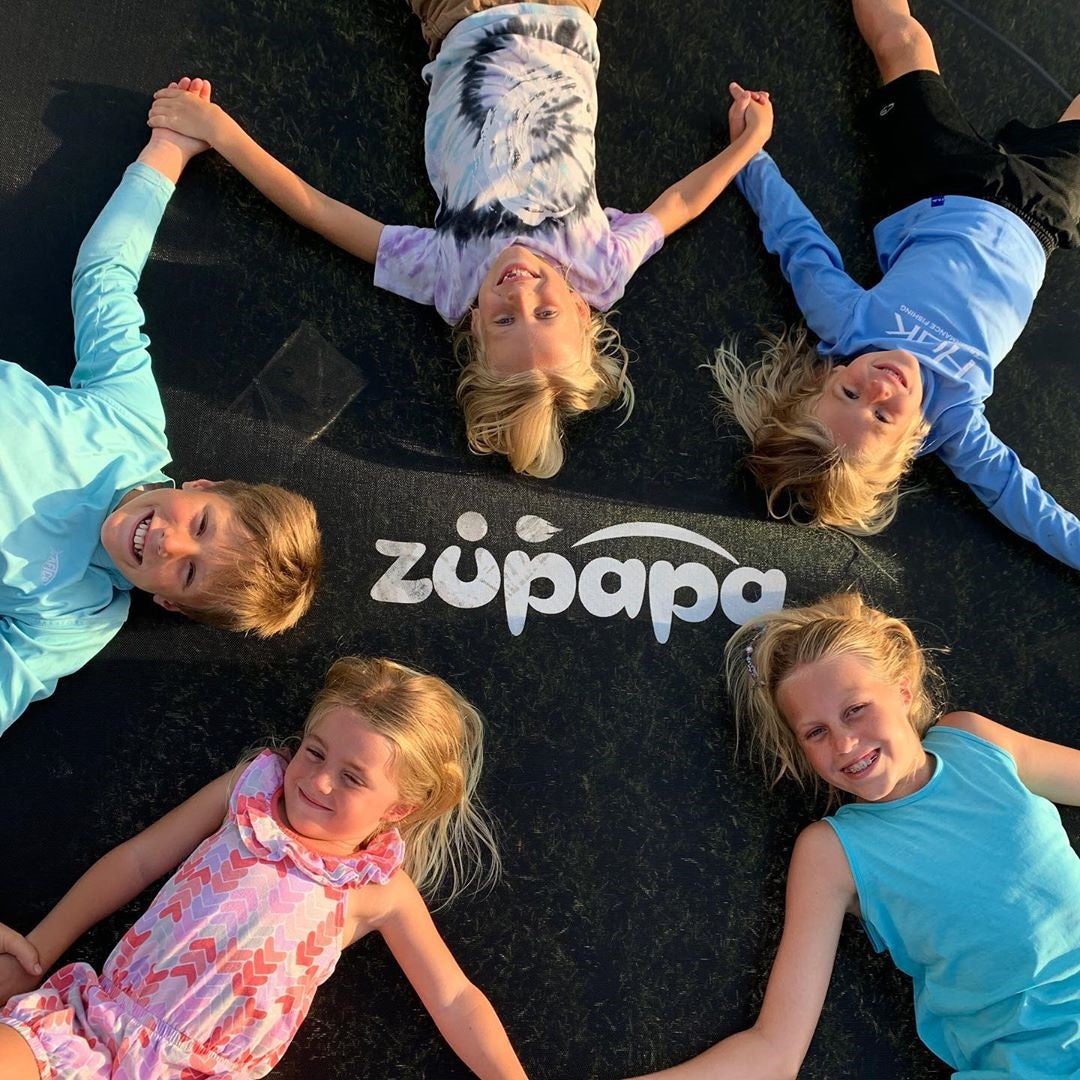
(522, 259)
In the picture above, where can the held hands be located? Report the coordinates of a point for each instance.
(750, 117)
(182, 113)
(20, 970)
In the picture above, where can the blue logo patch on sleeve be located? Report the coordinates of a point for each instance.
(937, 200)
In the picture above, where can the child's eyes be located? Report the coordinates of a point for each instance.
(354, 780)
(503, 320)
(854, 710)
(312, 752)
(850, 394)
(882, 417)
(202, 525)
(547, 313)
(190, 575)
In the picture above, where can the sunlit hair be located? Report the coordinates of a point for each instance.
(522, 415)
(783, 641)
(793, 455)
(436, 740)
(265, 581)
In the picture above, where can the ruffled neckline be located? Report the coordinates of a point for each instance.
(252, 806)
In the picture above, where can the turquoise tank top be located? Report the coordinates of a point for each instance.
(973, 887)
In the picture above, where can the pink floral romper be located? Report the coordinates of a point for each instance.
(218, 974)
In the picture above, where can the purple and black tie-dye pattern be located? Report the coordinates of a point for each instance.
(511, 154)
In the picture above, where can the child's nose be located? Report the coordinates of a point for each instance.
(175, 544)
(323, 783)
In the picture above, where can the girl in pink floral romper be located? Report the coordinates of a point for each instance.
(314, 852)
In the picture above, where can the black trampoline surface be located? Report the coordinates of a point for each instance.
(644, 861)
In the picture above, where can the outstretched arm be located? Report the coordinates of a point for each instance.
(819, 892)
(191, 115)
(750, 120)
(124, 872)
(1013, 494)
(810, 261)
(463, 1015)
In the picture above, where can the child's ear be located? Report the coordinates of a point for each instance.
(905, 690)
(165, 602)
(397, 812)
(583, 309)
(197, 485)
(474, 321)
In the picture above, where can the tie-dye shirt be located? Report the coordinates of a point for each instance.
(510, 151)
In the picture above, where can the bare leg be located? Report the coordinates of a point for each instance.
(1073, 111)
(899, 42)
(17, 1061)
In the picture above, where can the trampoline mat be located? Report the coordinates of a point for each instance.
(644, 858)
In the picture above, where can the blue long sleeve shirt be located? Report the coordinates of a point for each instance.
(960, 276)
(71, 455)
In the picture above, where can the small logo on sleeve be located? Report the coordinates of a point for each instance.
(50, 567)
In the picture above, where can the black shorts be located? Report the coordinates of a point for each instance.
(928, 148)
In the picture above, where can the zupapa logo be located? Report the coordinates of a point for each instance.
(605, 586)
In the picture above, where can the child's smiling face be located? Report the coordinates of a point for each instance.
(172, 543)
(339, 786)
(872, 404)
(528, 316)
(854, 728)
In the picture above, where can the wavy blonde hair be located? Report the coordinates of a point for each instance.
(436, 738)
(764, 652)
(266, 582)
(807, 478)
(522, 415)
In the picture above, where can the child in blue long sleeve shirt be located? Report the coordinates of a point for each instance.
(903, 368)
(86, 512)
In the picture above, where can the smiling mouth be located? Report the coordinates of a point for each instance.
(138, 538)
(310, 801)
(516, 272)
(895, 372)
(866, 762)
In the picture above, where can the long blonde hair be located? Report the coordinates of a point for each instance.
(523, 415)
(807, 478)
(437, 754)
(764, 652)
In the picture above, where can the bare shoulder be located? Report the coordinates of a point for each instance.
(372, 906)
(982, 726)
(819, 865)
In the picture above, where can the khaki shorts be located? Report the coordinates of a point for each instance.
(439, 17)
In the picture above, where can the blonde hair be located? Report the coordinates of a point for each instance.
(522, 415)
(265, 583)
(760, 655)
(807, 478)
(437, 753)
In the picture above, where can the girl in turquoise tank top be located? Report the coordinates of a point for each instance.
(946, 846)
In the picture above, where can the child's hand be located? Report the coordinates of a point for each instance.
(19, 967)
(750, 116)
(179, 115)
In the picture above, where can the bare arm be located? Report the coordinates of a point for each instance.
(121, 874)
(191, 115)
(750, 123)
(462, 1013)
(820, 890)
(1046, 768)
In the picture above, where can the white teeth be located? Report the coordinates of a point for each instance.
(861, 766)
(139, 538)
(515, 275)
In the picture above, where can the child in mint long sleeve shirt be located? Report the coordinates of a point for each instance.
(86, 512)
